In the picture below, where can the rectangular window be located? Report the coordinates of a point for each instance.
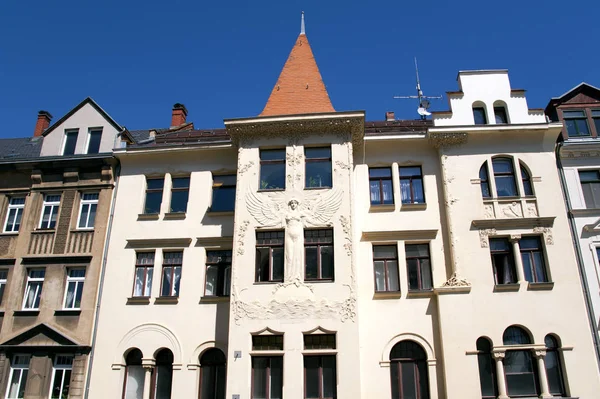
(596, 119)
(411, 185)
(50, 211)
(87, 210)
(33, 289)
(74, 288)
(94, 138)
(533, 259)
(419, 267)
(14, 214)
(267, 342)
(3, 280)
(70, 140)
(218, 273)
(154, 194)
(171, 273)
(503, 261)
(319, 341)
(180, 192)
(380, 182)
(320, 377)
(576, 123)
(269, 256)
(61, 377)
(590, 185)
(318, 254)
(272, 169)
(318, 167)
(500, 113)
(385, 264)
(267, 377)
(19, 368)
(223, 193)
(144, 270)
(479, 116)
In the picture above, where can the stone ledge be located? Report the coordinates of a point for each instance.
(148, 216)
(138, 300)
(513, 287)
(166, 300)
(545, 286)
(67, 312)
(174, 216)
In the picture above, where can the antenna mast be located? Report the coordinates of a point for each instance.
(424, 102)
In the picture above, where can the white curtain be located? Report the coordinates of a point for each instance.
(177, 276)
(405, 189)
(70, 295)
(134, 388)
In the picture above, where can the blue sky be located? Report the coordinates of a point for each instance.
(221, 59)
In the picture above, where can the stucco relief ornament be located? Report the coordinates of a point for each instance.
(532, 210)
(547, 232)
(456, 281)
(295, 211)
(512, 210)
(241, 235)
(488, 210)
(483, 237)
(243, 169)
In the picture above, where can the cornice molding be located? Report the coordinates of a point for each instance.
(159, 243)
(225, 242)
(396, 235)
(513, 223)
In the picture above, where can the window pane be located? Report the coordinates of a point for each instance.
(221, 180)
(426, 281)
(500, 113)
(278, 263)
(410, 171)
(327, 262)
(479, 116)
(318, 174)
(582, 127)
(179, 201)
(321, 152)
(155, 184)
(329, 378)
(153, 201)
(418, 191)
(311, 262)
(181, 182)
(259, 377)
(413, 274)
(380, 172)
(597, 124)
(223, 199)
(84, 215)
(139, 281)
(416, 250)
(311, 367)
(487, 375)
(392, 269)
(70, 141)
(409, 386)
(134, 388)
(94, 143)
(272, 176)
(272, 155)
(379, 275)
(554, 373)
(164, 378)
(262, 264)
(276, 377)
(375, 192)
(384, 251)
(212, 275)
(505, 186)
(540, 270)
(388, 194)
(167, 281)
(395, 374)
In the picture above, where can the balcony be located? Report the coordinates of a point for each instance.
(41, 242)
(80, 242)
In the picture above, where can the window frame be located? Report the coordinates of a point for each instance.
(3, 283)
(512, 174)
(555, 352)
(173, 265)
(64, 368)
(268, 376)
(485, 181)
(222, 290)
(321, 357)
(154, 190)
(79, 281)
(386, 267)
(511, 258)
(217, 186)
(480, 107)
(542, 252)
(18, 208)
(417, 363)
(18, 366)
(319, 245)
(180, 190)
(214, 368)
(54, 206)
(419, 266)
(28, 289)
(526, 181)
(485, 355)
(410, 179)
(271, 246)
(308, 160)
(262, 162)
(91, 131)
(381, 180)
(69, 133)
(146, 266)
(503, 112)
(131, 362)
(583, 192)
(595, 113)
(576, 119)
(89, 203)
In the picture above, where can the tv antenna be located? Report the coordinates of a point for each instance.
(424, 102)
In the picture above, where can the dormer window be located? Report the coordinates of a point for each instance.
(94, 138)
(70, 142)
(500, 113)
(479, 116)
(576, 123)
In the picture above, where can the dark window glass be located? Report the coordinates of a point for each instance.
(419, 267)
(218, 273)
(50, 212)
(179, 194)
(503, 262)
(272, 169)
(134, 375)
(411, 185)
(94, 141)
(521, 373)
(267, 377)
(213, 374)
(144, 271)
(163, 375)
(171, 273)
(61, 378)
(485, 181)
(487, 369)
(3, 279)
(223, 194)
(70, 142)
(318, 250)
(596, 118)
(318, 167)
(380, 181)
(408, 371)
(269, 255)
(319, 341)
(267, 342)
(500, 113)
(320, 377)
(385, 265)
(576, 123)
(154, 194)
(553, 367)
(504, 176)
(514, 335)
(590, 185)
(533, 259)
(527, 187)
(479, 116)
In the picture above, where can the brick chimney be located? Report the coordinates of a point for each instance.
(389, 116)
(179, 115)
(43, 122)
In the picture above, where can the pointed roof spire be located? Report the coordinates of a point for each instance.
(300, 88)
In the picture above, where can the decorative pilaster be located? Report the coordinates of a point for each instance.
(514, 239)
(148, 365)
(501, 382)
(541, 358)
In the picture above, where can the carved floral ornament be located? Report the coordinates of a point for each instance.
(484, 235)
(439, 140)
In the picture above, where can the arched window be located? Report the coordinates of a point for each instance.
(212, 374)
(484, 181)
(504, 176)
(553, 367)
(487, 369)
(163, 375)
(500, 113)
(133, 386)
(409, 371)
(519, 368)
(527, 187)
(479, 115)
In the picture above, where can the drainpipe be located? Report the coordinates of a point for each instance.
(580, 264)
(101, 283)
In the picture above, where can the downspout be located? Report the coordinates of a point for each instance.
(580, 263)
(101, 283)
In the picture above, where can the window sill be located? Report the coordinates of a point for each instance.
(166, 300)
(138, 300)
(214, 299)
(43, 231)
(507, 287)
(319, 188)
(420, 293)
(148, 216)
(268, 282)
(382, 208)
(269, 190)
(387, 295)
(174, 216)
(83, 229)
(546, 286)
(9, 234)
(67, 312)
(319, 281)
(33, 312)
(413, 207)
(219, 213)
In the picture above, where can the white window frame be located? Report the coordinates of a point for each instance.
(77, 281)
(56, 366)
(3, 282)
(53, 205)
(89, 203)
(89, 136)
(10, 207)
(17, 366)
(64, 143)
(33, 280)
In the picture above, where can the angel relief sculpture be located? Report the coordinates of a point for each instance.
(294, 211)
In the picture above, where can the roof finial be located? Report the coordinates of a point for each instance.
(302, 31)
